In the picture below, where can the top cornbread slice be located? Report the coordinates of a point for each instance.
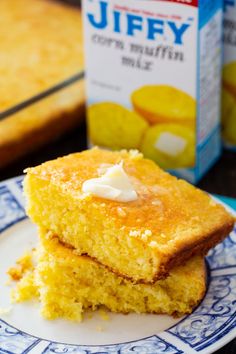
(141, 240)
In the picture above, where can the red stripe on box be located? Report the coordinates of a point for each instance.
(184, 2)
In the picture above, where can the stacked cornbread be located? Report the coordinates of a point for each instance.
(116, 230)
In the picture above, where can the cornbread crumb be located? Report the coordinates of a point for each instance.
(104, 315)
(100, 329)
(153, 244)
(23, 265)
(121, 212)
(89, 315)
(24, 273)
(26, 289)
(135, 154)
(212, 202)
(5, 311)
(134, 233)
(146, 234)
(143, 235)
(156, 202)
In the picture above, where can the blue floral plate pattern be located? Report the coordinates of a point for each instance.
(209, 327)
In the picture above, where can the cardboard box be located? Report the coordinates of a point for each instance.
(154, 80)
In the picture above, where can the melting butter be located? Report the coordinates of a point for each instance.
(114, 184)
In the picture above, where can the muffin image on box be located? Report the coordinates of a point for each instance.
(229, 126)
(170, 145)
(164, 104)
(227, 105)
(113, 126)
(229, 77)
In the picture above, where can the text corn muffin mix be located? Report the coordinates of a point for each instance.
(153, 80)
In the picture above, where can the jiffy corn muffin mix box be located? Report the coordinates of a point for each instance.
(229, 75)
(153, 79)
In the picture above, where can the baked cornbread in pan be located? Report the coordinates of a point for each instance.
(169, 222)
(41, 45)
(68, 284)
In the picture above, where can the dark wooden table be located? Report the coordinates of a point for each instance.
(221, 179)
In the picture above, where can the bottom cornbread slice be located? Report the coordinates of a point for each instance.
(68, 284)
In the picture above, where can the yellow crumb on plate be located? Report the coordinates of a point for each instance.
(100, 329)
(5, 310)
(23, 265)
(104, 315)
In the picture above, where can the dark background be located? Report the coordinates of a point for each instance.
(221, 179)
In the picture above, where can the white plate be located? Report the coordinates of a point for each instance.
(23, 330)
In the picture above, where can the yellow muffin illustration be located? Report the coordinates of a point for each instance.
(229, 128)
(112, 125)
(164, 104)
(229, 77)
(227, 105)
(170, 145)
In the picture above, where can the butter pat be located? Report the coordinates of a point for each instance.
(114, 184)
(170, 144)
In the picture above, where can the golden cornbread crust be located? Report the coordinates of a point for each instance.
(177, 259)
(201, 248)
(31, 140)
(42, 45)
(67, 285)
(141, 240)
(182, 261)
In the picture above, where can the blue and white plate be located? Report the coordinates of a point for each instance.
(23, 330)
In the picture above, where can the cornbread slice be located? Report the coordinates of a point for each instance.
(68, 284)
(142, 240)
